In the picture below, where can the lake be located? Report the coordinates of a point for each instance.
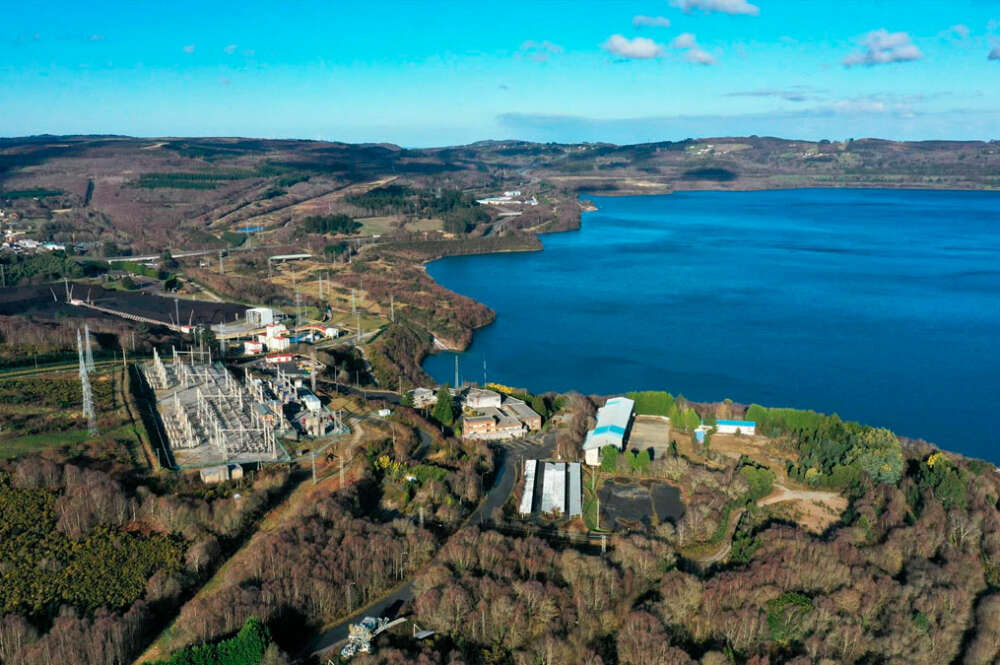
(880, 305)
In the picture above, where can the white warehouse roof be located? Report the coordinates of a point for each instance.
(612, 422)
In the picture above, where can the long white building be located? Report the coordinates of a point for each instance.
(613, 421)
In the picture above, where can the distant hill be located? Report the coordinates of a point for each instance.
(154, 192)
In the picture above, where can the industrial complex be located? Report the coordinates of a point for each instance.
(209, 416)
(490, 416)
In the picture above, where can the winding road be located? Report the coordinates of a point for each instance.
(503, 485)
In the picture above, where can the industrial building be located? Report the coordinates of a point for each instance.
(260, 316)
(476, 398)
(221, 473)
(747, 427)
(613, 422)
(423, 398)
(552, 488)
(502, 417)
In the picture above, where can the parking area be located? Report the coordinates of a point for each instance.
(652, 433)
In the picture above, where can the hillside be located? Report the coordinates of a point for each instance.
(151, 193)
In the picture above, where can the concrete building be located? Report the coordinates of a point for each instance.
(278, 344)
(221, 473)
(310, 401)
(260, 316)
(251, 348)
(613, 422)
(523, 412)
(476, 398)
(278, 358)
(511, 418)
(423, 398)
(491, 423)
(747, 427)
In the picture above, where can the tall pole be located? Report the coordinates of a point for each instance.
(456, 370)
(221, 269)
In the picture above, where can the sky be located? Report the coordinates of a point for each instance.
(452, 72)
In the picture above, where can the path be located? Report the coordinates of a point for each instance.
(784, 494)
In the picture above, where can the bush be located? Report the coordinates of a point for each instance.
(609, 459)
(247, 647)
(652, 402)
(759, 480)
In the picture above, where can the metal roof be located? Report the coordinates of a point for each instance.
(612, 422)
(736, 423)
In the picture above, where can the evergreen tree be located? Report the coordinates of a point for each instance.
(444, 408)
(609, 459)
(691, 419)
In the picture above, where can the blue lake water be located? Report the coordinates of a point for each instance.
(880, 305)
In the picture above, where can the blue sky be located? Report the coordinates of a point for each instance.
(440, 73)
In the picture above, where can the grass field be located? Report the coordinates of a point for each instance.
(44, 412)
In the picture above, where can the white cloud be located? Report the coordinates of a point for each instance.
(539, 51)
(97, 38)
(683, 40)
(957, 31)
(638, 48)
(723, 6)
(189, 48)
(230, 49)
(643, 21)
(883, 47)
(699, 56)
(695, 54)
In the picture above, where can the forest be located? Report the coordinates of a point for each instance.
(95, 557)
(908, 576)
(330, 224)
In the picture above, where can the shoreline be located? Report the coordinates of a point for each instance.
(582, 197)
(914, 438)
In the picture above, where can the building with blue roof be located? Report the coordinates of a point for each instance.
(613, 422)
(747, 427)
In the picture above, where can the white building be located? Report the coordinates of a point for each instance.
(747, 427)
(310, 401)
(613, 420)
(481, 399)
(423, 397)
(260, 316)
(554, 488)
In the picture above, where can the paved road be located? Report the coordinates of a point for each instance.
(503, 484)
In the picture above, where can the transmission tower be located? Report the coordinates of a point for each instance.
(88, 397)
(87, 350)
